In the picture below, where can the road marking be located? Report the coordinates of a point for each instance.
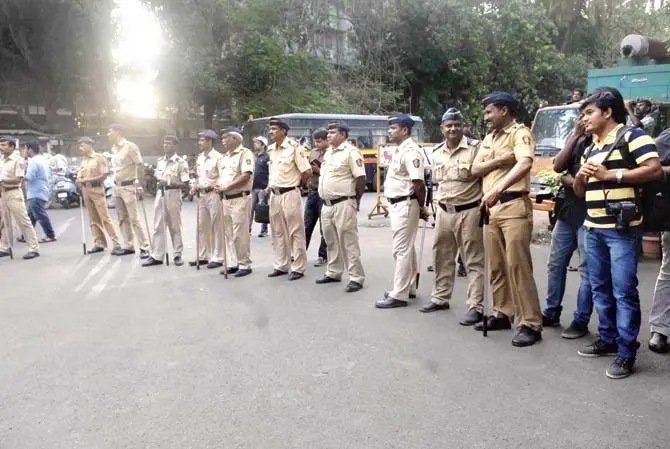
(133, 266)
(102, 283)
(80, 264)
(62, 228)
(94, 271)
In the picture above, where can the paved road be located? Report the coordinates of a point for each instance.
(98, 352)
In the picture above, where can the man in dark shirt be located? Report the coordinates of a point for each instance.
(314, 203)
(261, 176)
(569, 235)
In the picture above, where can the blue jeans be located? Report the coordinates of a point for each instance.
(37, 211)
(612, 258)
(565, 239)
(312, 214)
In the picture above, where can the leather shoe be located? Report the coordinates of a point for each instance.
(411, 295)
(525, 336)
(294, 275)
(151, 262)
(178, 261)
(495, 324)
(230, 271)
(353, 287)
(144, 254)
(213, 265)
(4, 254)
(95, 249)
(123, 252)
(471, 317)
(326, 280)
(390, 303)
(194, 263)
(432, 307)
(243, 272)
(31, 255)
(276, 273)
(659, 343)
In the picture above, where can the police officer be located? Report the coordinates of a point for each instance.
(93, 171)
(234, 185)
(289, 169)
(341, 186)
(127, 160)
(172, 176)
(12, 200)
(457, 221)
(210, 232)
(504, 162)
(405, 190)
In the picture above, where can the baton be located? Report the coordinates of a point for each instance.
(83, 228)
(225, 241)
(144, 211)
(165, 226)
(197, 229)
(419, 264)
(484, 224)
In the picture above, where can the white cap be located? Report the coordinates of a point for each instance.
(261, 139)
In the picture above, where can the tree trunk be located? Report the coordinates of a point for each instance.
(209, 114)
(414, 95)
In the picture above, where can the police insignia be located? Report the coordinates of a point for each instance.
(248, 161)
(359, 162)
(526, 140)
(416, 163)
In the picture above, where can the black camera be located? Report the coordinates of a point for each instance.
(625, 212)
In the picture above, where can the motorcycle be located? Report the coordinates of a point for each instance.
(66, 192)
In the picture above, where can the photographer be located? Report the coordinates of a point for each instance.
(613, 222)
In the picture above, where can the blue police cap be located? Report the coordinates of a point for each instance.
(232, 130)
(86, 140)
(452, 114)
(274, 121)
(338, 125)
(500, 98)
(402, 119)
(8, 139)
(115, 127)
(209, 134)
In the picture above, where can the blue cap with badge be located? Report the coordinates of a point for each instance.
(8, 139)
(232, 130)
(452, 114)
(500, 99)
(274, 121)
(209, 134)
(401, 119)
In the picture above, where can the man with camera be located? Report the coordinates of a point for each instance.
(613, 221)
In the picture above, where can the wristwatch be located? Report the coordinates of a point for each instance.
(619, 176)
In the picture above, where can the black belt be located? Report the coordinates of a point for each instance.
(206, 189)
(330, 203)
(460, 208)
(402, 198)
(509, 196)
(125, 183)
(171, 187)
(233, 196)
(281, 190)
(93, 184)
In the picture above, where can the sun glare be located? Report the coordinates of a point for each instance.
(137, 48)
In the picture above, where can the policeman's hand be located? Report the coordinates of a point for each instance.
(491, 197)
(507, 160)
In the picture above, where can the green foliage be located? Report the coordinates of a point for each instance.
(551, 180)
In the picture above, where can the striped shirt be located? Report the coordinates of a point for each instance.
(642, 148)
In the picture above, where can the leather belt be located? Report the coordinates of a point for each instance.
(402, 198)
(450, 208)
(330, 203)
(172, 187)
(234, 195)
(281, 190)
(506, 197)
(93, 184)
(129, 182)
(206, 189)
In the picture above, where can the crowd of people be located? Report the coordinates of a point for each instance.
(482, 201)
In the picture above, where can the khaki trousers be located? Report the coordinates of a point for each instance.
(13, 206)
(512, 283)
(170, 203)
(288, 232)
(453, 232)
(404, 225)
(125, 201)
(210, 233)
(98, 214)
(238, 239)
(340, 230)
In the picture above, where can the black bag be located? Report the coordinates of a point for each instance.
(262, 213)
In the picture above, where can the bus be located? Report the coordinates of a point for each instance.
(366, 131)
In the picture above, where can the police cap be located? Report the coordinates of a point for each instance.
(87, 140)
(274, 121)
(9, 139)
(232, 130)
(452, 114)
(320, 134)
(172, 140)
(401, 119)
(115, 127)
(500, 99)
(209, 134)
(339, 125)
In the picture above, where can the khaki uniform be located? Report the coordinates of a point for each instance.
(237, 205)
(457, 217)
(510, 227)
(127, 159)
(210, 233)
(406, 165)
(93, 166)
(287, 163)
(13, 203)
(173, 174)
(339, 171)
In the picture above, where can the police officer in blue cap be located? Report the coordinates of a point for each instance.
(504, 162)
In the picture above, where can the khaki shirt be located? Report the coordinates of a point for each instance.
(287, 163)
(406, 165)
(515, 138)
(92, 166)
(234, 164)
(341, 166)
(126, 159)
(315, 155)
(451, 172)
(172, 171)
(13, 168)
(207, 169)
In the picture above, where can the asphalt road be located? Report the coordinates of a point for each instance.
(98, 352)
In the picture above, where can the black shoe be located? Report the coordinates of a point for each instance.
(471, 317)
(411, 295)
(95, 249)
(461, 272)
(230, 270)
(550, 321)
(123, 252)
(194, 263)
(390, 303)
(525, 336)
(353, 287)
(144, 254)
(4, 254)
(31, 255)
(276, 273)
(263, 234)
(243, 272)
(326, 280)
(575, 330)
(294, 275)
(494, 323)
(150, 262)
(213, 265)
(432, 307)
(620, 368)
(598, 348)
(659, 343)
(178, 261)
